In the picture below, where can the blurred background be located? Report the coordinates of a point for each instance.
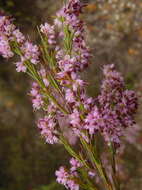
(114, 32)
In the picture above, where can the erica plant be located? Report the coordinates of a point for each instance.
(95, 124)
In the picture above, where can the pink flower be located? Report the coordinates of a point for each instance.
(37, 99)
(20, 38)
(62, 175)
(117, 105)
(44, 76)
(75, 118)
(75, 164)
(9, 29)
(91, 174)
(31, 52)
(5, 49)
(69, 96)
(93, 121)
(65, 178)
(47, 127)
(49, 31)
(37, 102)
(20, 67)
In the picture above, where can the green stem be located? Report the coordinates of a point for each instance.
(97, 163)
(87, 180)
(79, 157)
(62, 109)
(113, 165)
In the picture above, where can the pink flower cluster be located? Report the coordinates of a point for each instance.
(20, 66)
(69, 16)
(6, 28)
(75, 164)
(117, 105)
(9, 34)
(60, 92)
(113, 109)
(37, 98)
(116, 108)
(30, 52)
(109, 113)
(69, 178)
(49, 32)
(5, 49)
(47, 126)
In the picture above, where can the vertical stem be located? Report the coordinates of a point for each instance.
(97, 163)
(113, 164)
(89, 185)
(87, 180)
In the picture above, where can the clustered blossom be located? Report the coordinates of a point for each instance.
(49, 32)
(70, 63)
(20, 38)
(116, 108)
(65, 178)
(66, 99)
(10, 34)
(43, 74)
(6, 28)
(31, 52)
(69, 16)
(20, 67)
(117, 105)
(47, 126)
(75, 164)
(93, 121)
(68, 178)
(37, 99)
(5, 49)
